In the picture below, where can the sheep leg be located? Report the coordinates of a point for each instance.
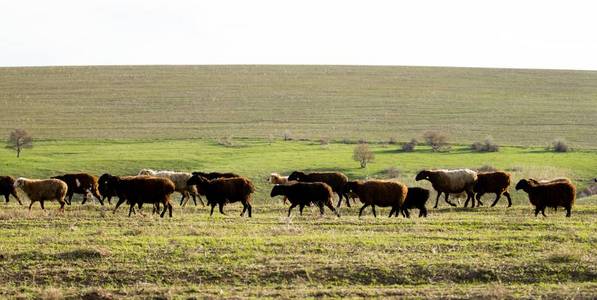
(42, 204)
(507, 194)
(339, 202)
(437, 199)
(330, 205)
(213, 205)
(131, 209)
(250, 209)
(31, 205)
(6, 197)
(373, 209)
(301, 207)
(221, 208)
(345, 196)
(164, 211)
(497, 198)
(392, 212)
(447, 201)
(407, 213)
(423, 212)
(292, 205)
(182, 199)
(536, 211)
(84, 199)
(320, 205)
(242, 213)
(195, 200)
(70, 198)
(120, 201)
(62, 203)
(361, 210)
(568, 211)
(543, 211)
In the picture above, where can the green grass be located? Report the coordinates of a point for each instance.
(516, 107)
(456, 252)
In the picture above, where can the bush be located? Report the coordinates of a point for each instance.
(226, 141)
(363, 155)
(287, 135)
(486, 168)
(559, 145)
(437, 140)
(391, 172)
(410, 146)
(392, 141)
(486, 146)
(324, 141)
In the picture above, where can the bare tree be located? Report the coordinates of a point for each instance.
(18, 140)
(363, 154)
(437, 140)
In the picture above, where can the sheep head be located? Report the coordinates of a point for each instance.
(277, 190)
(19, 182)
(296, 175)
(423, 175)
(524, 184)
(197, 179)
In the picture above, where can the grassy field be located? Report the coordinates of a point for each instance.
(456, 252)
(516, 107)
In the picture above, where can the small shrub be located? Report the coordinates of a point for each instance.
(362, 141)
(488, 145)
(392, 141)
(324, 141)
(363, 155)
(392, 172)
(410, 146)
(226, 141)
(486, 168)
(437, 140)
(559, 145)
(287, 136)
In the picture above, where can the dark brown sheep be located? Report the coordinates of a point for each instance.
(141, 189)
(104, 189)
(336, 180)
(492, 182)
(41, 190)
(379, 193)
(305, 193)
(81, 183)
(415, 198)
(215, 175)
(559, 193)
(225, 190)
(7, 188)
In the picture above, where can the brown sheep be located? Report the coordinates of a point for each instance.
(380, 193)
(450, 182)
(142, 189)
(225, 190)
(336, 180)
(305, 193)
(415, 198)
(40, 190)
(7, 188)
(492, 182)
(80, 183)
(559, 193)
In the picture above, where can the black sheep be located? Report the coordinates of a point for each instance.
(7, 188)
(415, 198)
(336, 180)
(305, 193)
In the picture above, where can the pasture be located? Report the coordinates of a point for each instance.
(482, 252)
(516, 107)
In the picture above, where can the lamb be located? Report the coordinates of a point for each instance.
(141, 189)
(303, 193)
(180, 182)
(450, 182)
(493, 182)
(221, 191)
(380, 193)
(554, 194)
(80, 183)
(415, 198)
(7, 188)
(335, 180)
(40, 190)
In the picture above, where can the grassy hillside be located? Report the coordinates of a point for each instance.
(516, 107)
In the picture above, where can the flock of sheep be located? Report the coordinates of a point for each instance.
(300, 189)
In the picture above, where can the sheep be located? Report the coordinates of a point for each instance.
(275, 178)
(40, 190)
(7, 188)
(544, 181)
(492, 182)
(141, 189)
(303, 193)
(80, 183)
(180, 182)
(215, 175)
(450, 182)
(221, 191)
(416, 197)
(554, 194)
(335, 180)
(380, 193)
(104, 189)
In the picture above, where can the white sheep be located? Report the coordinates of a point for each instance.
(450, 182)
(43, 190)
(180, 182)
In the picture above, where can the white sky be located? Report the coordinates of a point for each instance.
(476, 33)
